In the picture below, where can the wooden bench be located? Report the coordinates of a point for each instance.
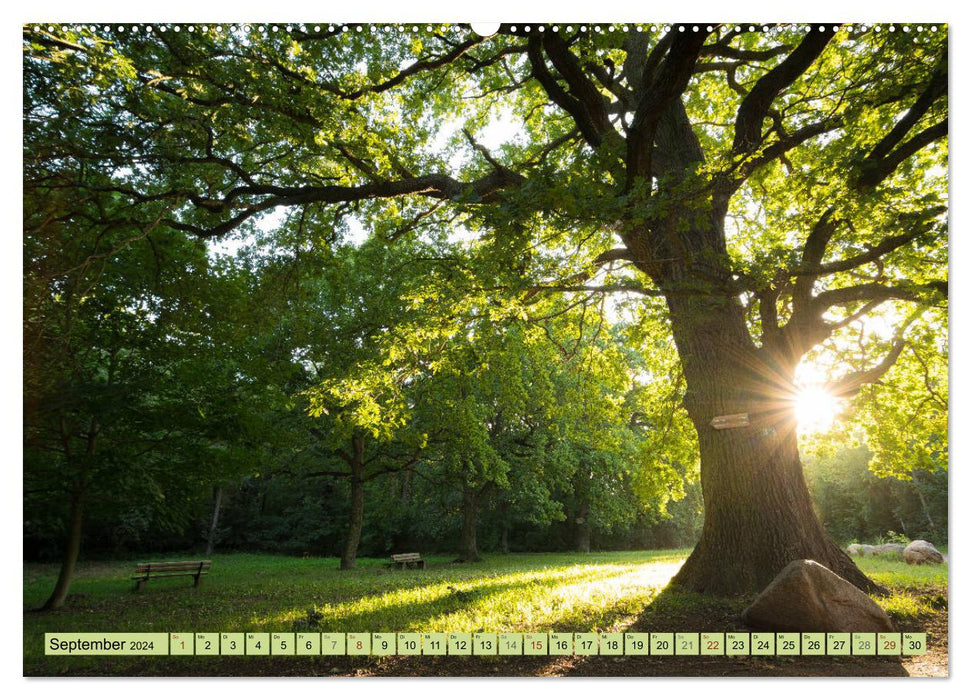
(167, 569)
(403, 560)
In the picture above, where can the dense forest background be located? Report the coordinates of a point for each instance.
(279, 515)
(224, 414)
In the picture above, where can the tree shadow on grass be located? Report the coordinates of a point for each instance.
(672, 611)
(676, 610)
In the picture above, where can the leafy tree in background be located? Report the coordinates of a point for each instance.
(910, 405)
(867, 481)
(133, 406)
(127, 396)
(776, 189)
(857, 505)
(365, 350)
(488, 410)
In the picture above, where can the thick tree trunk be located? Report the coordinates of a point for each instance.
(217, 494)
(583, 538)
(758, 515)
(470, 548)
(71, 551)
(356, 520)
(758, 512)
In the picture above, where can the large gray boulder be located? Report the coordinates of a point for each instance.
(808, 597)
(922, 552)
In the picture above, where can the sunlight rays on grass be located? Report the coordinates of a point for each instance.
(578, 597)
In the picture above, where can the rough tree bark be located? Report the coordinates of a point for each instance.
(758, 512)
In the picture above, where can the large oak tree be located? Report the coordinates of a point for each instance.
(774, 186)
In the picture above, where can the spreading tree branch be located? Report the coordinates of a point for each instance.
(671, 81)
(936, 87)
(814, 268)
(571, 104)
(874, 291)
(591, 101)
(873, 171)
(812, 254)
(436, 186)
(726, 51)
(850, 384)
(892, 150)
(755, 106)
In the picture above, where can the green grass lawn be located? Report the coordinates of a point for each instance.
(915, 591)
(250, 592)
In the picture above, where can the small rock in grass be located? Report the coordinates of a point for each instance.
(890, 549)
(860, 550)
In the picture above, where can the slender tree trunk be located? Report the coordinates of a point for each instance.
(217, 494)
(581, 517)
(470, 549)
(76, 513)
(758, 512)
(356, 522)
(583, 530)
(71, 551)
(923, 505)
(405, 487)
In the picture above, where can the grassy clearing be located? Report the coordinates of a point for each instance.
(916, 592)
(894, 573)
(251, 593)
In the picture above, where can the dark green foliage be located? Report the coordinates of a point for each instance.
(857, 505)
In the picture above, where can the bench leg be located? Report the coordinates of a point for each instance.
(422, 562)
(140, 584)
(198, 578)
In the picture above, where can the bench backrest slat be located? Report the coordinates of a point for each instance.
(173, 566)
(412, 556)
